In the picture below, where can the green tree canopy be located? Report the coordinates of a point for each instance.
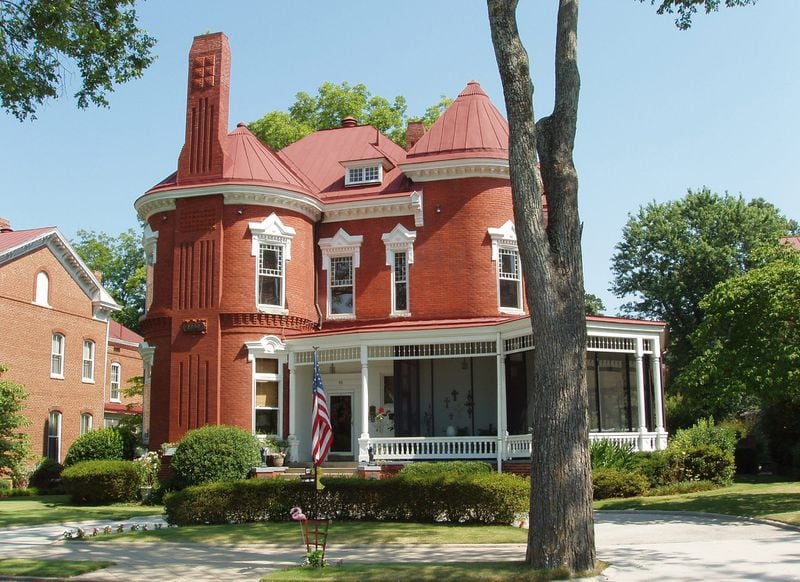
(686, 9)
(330, 105)
(40, 38)
(120, 259)
(593, 304)
(749, 341)
(15, 447)
(673, 253)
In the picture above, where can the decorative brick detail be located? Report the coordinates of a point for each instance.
(194, 326)
(203, 71)
(229, 320)
(153, 326)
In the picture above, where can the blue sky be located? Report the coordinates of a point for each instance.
(661, 110)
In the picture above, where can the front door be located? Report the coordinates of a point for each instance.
(341, 408)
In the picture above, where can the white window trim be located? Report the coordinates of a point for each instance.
(42, 292)
(115, 366)
(363, 164)
(277, 378)
(506, 237)
(58, 375)
(400, 240)
(59, 417)
(341, 245)
(90, 424)
(92, 356)
(272, 231)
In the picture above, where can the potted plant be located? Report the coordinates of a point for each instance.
(277, 449)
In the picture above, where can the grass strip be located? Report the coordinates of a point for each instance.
(49, 568)
(59, 509)
(486, 571)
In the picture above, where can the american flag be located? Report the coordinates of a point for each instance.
(321, 432)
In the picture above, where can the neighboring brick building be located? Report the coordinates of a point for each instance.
(401, 267)
(123, 367)
(54, 317)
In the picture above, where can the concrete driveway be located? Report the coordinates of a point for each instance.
(639, 546)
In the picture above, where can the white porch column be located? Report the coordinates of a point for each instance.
(501, 403)
(640, 396)
(363, 441)
(661, 434)
(294, 444)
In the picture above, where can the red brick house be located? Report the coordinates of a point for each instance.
(54, 316)
(124, 363)
(399, 267)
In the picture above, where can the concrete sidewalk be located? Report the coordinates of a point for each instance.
(639, 545)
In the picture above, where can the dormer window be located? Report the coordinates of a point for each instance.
(364, 175)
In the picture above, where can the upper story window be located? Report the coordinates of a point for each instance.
(272, 247)
(116, 374)
(363, 172)
(399, 255)
(86, 422)
(341, 256)
(509, 273)
(42, 289)
(57, 356)
(88, 361)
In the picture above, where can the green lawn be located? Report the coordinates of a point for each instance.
(58, 509)
(778, 500)
(491, 571)
(341, 533)
(49, 568)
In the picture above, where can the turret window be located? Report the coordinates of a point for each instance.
(272, 247)
(509, 273)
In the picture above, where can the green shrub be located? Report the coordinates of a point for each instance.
(654, 466)
(214, 453)
(708, 463)
(682, 488)
(618, 483)
(426, 469)
(480, 498)
(27, 492)
(5, 485)
(705, 432)
(46, 475)
(101, 481)
(610, 455)
(97, 445)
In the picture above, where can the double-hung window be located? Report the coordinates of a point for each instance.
(267, 397)
(86, 422)
(88, 361)
(54, 436)
(272, 247)
(57, 356)
(509, 274)
(341, 255)
(399, 255)
(116, 373)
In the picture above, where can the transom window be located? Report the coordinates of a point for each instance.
(88, 361)
(267, 397)
(57, 356)
(270, 275)
(510, 280)
(342, 288)
(116, 372)
(364, 175)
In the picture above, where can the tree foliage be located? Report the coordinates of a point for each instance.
(40, 40)
(686, 9)
(331, 105)
(15, 447)
(593, 305)
(673, 253)
(749, 341)
(120, 259)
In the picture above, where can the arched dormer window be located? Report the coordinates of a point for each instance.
(42, 296)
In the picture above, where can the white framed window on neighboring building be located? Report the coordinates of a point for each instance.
(57, 356)
(42, 294)
(114, 384)
(341, 256)
(399, 255)
(88, 361)
(505, 254)
(86, 422)
(267, 397)
(54, 436)
(272, 247)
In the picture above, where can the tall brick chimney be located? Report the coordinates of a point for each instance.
(414, 132)
(203, 155)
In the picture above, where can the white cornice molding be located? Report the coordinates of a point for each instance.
(150, 244)
(405, 205)
(457, 169)
(400, 239)
(268, 345)
(164, 201)
(339, 245)
(505, 236)
(272, 229)
(147, 352)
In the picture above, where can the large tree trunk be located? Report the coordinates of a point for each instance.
(561, 521)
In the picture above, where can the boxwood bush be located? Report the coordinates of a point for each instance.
(428, 469)
(481, 498)
(618, 483)
(101, 481)
(214, 453)
(700, 463)
(97, 445)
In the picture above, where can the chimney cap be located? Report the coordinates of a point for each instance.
(5, 225)
(349, 122)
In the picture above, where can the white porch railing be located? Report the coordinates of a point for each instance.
(485, 447)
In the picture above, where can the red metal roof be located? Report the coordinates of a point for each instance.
(321, 155)
(122, 408)
(792, 241)
(15, 238)
(471, 127)
(117, 331)
(250, 161)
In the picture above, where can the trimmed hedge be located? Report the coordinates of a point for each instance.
(700, 463)
(618, 483)
(102, 481)
(481, 498)
(97, 445)
(443, 468)
(214, 453)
